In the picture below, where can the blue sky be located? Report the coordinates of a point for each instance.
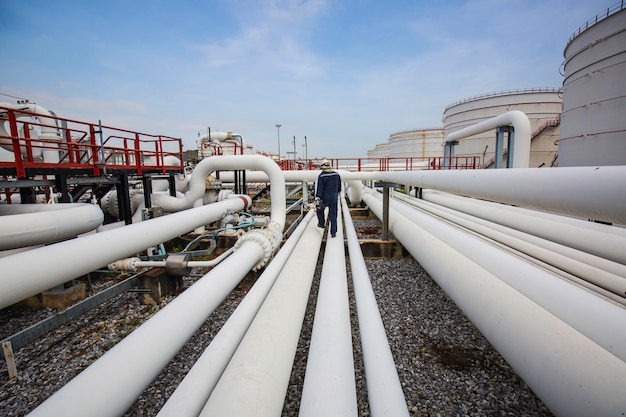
(344, 73)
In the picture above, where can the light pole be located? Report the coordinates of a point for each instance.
(306, 150)
(278, 129)
(294, 150)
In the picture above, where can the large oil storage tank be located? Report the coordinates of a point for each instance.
(541, 105)
(593, 128)
(381, 150)
(416, 143)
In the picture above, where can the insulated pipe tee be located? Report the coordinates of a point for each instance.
(515, 118)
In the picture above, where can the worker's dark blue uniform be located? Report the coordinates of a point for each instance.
(328, 187)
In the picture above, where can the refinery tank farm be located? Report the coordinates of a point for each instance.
(478, 268)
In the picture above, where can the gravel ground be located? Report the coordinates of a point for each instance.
(447, 368)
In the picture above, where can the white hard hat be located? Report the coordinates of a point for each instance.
(325, 162)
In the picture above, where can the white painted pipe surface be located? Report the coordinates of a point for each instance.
(239, 162)
(194, 390)
(571, 374)
(601, 321)
(256, 379)
(24, 225)
(594, 269)
(384, 390)
(597, 193)
(109, 386)
(600, 240)
(515, 118)
(329, 386)
(29, 273)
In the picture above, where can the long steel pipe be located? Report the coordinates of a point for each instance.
(601, 321)
(384, 390)
(594, 269)
(61, 262)
(600, 240)
(256, 379)
(589, 192)
(24, 225)
(110, 385)
(329, 386)
(193, 392)
(572, 375)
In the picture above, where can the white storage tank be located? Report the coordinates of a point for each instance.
(541, 105)
(593, 128)
(417, 143)
(380, 151)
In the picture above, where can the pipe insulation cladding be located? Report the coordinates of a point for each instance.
(58, 263)
(597, 193)
(110, 385)
(572, 375)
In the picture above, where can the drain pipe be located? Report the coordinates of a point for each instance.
(384, 390)
(574, 191)
(515, 118)
(110, 385)
(257, 377)
(571, 374)
(29, 273)
(601, 321)
(24, 225)
(329, 387)
(194, 390)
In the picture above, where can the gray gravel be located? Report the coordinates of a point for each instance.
(447, 368)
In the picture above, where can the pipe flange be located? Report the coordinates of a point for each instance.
(261, 238)
(124, 265)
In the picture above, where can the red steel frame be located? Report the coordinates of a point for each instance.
(79, 146)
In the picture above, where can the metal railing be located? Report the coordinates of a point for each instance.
(504, 93)
(82, 145)
(597, 18)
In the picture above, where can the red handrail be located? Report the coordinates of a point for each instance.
(78, 146)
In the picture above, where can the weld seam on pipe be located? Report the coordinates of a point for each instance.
(592, 268)
(329, 386)
(601, 321)
(571, 374)
(257, 377)
(21, 277)
(603, 244)
(384, 390)
(193, 392)
(110, 385)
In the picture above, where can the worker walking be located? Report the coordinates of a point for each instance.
(326, 195)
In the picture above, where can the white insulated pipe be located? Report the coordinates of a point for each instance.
(329, 386)
(194, 390)
(594, 269)
(600, 240)
(601, 321)
(384, 390)
(571, 374)
(110, 385)
(257, 377)
(24, 225)
(597, 193)
(521, 126)
(55, 264)
(230, 162)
